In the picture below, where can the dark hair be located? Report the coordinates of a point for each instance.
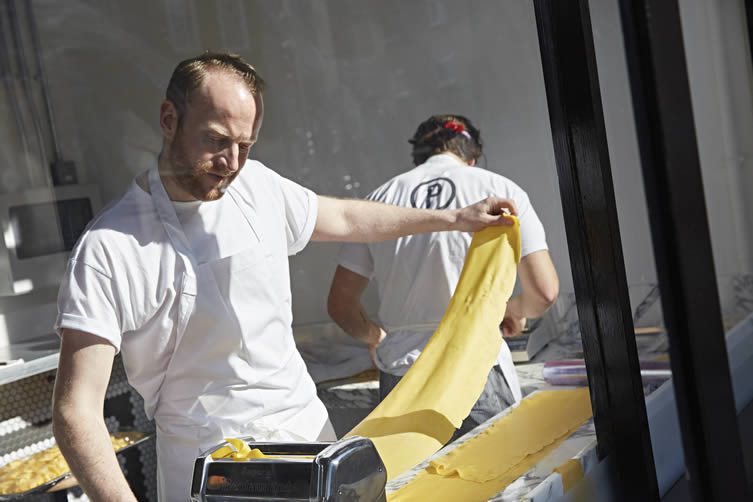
(189, 75)
(446, 133)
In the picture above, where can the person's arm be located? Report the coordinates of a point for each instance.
(78, 416)
(539, 289)
(345, 308)
(348, 220)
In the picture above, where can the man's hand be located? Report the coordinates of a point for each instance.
(491, 211)
(512, 326)
(376, 336)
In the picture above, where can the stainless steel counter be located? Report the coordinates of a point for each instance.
(21, 360)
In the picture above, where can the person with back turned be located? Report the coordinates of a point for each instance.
(416, 275)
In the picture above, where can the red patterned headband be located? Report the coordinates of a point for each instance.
(457, 128)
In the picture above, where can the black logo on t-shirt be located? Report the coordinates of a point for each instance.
(433, 194)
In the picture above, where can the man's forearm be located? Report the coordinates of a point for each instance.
(366, 221)
(85, 443)
(516, 308)
(527, 306)
(539, 286)
(386, 222)
(356, 323)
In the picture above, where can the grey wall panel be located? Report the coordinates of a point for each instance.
(348, 83)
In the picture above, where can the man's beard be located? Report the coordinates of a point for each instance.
(193, 177)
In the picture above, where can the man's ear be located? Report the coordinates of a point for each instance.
(259, 118)
(168, 119)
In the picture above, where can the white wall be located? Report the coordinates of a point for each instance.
(348, 83)
(349, 80)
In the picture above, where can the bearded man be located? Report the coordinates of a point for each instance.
(186, 274)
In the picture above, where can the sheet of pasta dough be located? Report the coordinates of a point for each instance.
(430, 402)
(485, 464)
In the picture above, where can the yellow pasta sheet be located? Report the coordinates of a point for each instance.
(436, 488)
(430, 402)
(487, 463)
(571, 473)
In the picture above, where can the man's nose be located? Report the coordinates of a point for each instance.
(231, 158)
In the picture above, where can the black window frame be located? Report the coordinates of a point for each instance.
(665, 129)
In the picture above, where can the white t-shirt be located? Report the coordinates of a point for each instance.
(123, 278)
(416, 275)
(214, 229)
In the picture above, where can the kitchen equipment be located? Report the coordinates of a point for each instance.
(127, 440)
(573, 372)
(343, 471)
(39, 228)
